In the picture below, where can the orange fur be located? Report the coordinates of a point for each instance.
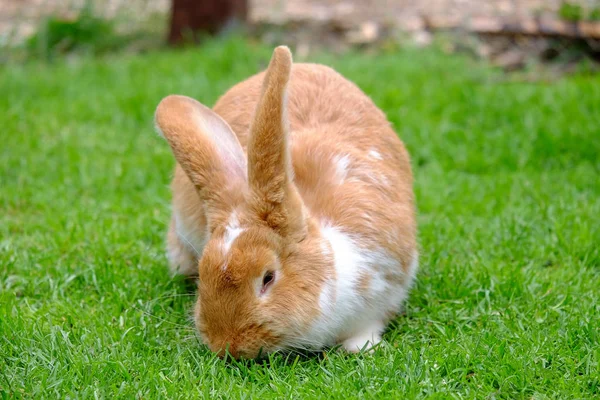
(296, 123)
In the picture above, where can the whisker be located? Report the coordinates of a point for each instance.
(189, 243)
(160, 319)
(175, 295)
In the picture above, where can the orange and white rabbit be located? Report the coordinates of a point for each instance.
(293, 203)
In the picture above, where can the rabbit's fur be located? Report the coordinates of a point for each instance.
(293, 203)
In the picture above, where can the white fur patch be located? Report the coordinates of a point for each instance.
(326, 298)
(341, 168)
(337, 299)
(375, 154)
(346, 313)
(232, 231)
(366, 338)
(348, 263)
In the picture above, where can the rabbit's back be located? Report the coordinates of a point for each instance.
(350, 167)
(318, 98)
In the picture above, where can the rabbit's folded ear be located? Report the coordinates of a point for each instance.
(207, 150)
(274, 197)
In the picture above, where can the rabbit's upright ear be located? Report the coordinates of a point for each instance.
(273, 195)
(207, 150)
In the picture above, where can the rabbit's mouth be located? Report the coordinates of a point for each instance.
(255, 341)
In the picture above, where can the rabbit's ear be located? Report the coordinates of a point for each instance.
(207, 150)
(273, 195)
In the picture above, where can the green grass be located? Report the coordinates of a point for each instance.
(507, 303)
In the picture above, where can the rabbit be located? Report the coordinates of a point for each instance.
(293, 205)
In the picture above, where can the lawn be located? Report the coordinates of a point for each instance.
(507, 302)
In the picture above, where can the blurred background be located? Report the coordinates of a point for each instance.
(509, 33)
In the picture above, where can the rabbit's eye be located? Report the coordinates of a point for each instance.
(268, 279)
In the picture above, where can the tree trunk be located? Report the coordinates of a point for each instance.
(189, 18)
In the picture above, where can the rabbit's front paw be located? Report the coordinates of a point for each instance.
(365, 339)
